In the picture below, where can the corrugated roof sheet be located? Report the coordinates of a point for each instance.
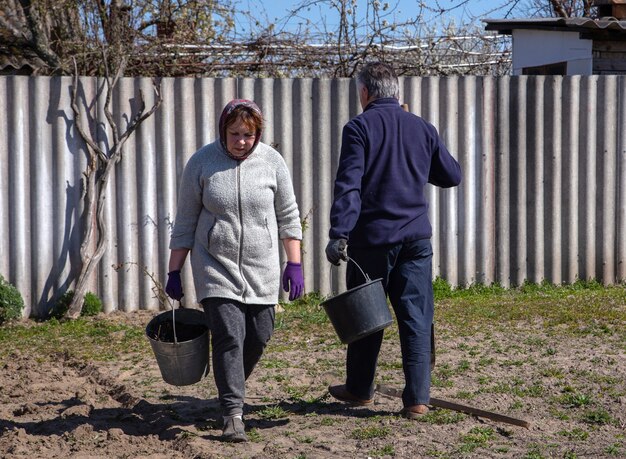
(16, 65)
(506, 26)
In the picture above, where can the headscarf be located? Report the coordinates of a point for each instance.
(227, 111)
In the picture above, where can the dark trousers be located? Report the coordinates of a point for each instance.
(406, 272)
(239, 334)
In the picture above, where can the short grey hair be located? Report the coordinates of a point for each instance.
(380, 80)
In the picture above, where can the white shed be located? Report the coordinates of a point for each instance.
(566, 46)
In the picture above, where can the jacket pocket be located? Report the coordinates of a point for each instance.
(206, 223)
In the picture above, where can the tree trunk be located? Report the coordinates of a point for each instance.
(97, 176)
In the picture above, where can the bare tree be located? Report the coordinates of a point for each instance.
(49, 35)
(100, 164)
(209, 38)
(559, 8)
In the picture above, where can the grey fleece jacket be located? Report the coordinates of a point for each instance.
(231, 214)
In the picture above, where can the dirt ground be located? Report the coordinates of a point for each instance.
(570, 389)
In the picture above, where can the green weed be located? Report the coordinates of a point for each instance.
(476, 437)
(387, 450)
(369, 432)
(575, 434)
(305, 313)
(614, 449)
(534, 453)
(254, 435)
(326, 421)
(274, 363)
(599, 416)
(272, 412)
(442, 417)
(575, 400)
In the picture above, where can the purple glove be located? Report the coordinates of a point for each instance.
(174, 287)
(293, 280)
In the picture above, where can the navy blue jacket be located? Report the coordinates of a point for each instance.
(387, 157)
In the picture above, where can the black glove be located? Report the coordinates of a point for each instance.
(174, 287)
(336, 250)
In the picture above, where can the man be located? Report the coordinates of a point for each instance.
(379, 218)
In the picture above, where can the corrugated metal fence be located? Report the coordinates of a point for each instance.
(543, 195)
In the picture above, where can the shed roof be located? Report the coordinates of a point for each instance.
(588, 26)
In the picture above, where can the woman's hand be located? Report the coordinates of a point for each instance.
(174, 287)
(293, 280)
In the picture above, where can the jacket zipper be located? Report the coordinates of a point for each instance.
(240, 256)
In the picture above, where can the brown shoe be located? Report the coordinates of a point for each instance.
(414, 412)
(341, 393)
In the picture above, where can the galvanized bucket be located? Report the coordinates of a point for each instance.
(183, 360)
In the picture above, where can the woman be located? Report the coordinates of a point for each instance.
(235, 201)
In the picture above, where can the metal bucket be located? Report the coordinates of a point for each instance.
(185, 359)
(360, 311)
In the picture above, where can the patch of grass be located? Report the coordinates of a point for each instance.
(301, 394)
(86, 339)
(552, 372)
(599, 416)
(575, 434)
(274, 363)
(272, 412)
(515, 387)
(463, 366)
(614, 450)
(516, 405)
(444, 371)
(476, 437)
(465, 395)
(560, 415)
(441, 383)
(534, 453)
(585, 307)
(442, 417)
(436, 453)
(387, 450)
(534, 342)
(279, 377)
(369, 432)
(395, 365)
(326, 421)
(441, 289)
(303, 313)
(486, 361)
(574, 400)
(513, 363)
(305, 439)
(254, 435)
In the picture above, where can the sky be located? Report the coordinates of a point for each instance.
(462, 11)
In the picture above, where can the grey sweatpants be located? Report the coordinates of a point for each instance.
(239, 334)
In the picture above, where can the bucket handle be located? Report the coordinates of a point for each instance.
(367, 278)
(174, 321)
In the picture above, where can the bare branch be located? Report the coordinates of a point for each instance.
(92, 147)
(559, 9)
